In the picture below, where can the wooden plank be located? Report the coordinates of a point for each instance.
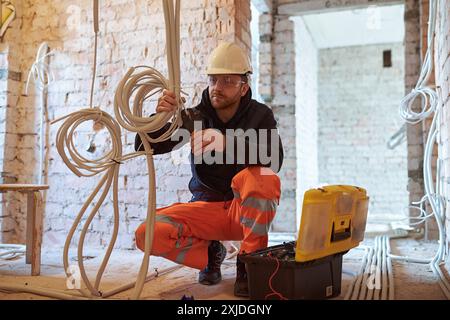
(37, 234)
(30, 223)
(23, 187)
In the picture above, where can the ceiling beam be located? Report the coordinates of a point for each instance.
(321, 6)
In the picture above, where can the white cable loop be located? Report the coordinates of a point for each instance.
(78, 164)
(428, 105)
(144, 85)
(40, 71)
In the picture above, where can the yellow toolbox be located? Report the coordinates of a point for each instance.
(333, 221)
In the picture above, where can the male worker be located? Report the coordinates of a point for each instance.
(232, 199)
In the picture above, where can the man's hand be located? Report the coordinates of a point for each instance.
(206, 140)
(167, 102)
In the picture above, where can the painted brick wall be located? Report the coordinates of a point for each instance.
(358, 113)
(306, 84)
(132, 33)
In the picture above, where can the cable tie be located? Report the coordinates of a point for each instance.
(118, 162)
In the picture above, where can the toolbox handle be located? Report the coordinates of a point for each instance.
(341, 235)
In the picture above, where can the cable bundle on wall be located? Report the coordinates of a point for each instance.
(42, 77)
(430, 100)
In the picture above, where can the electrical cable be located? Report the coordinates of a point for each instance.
(42, 77)
(12, 251)
(274, 292)
(375, 278)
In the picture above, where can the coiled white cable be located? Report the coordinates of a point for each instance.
(109, 163)
(146, 84)
(428, 95)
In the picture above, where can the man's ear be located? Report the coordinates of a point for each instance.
(244, 89)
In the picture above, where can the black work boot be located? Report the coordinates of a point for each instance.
(211, 274)
(241, 284)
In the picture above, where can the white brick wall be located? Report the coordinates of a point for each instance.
(131, 33)
(442, 54)
(358, 112)
(278, 83)
(283, 105)
(306, 105)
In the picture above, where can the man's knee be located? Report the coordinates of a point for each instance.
(257, 181)
(139, 237)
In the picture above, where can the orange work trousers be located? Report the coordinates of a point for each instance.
(183, 231)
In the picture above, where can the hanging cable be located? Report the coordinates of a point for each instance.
(147, 83)
(42, 77)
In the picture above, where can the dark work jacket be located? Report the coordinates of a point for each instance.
(212, 182)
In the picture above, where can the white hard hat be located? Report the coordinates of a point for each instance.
(228, 58)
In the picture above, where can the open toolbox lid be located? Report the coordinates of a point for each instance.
(333, 220)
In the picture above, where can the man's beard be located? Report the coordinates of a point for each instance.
(222, 102)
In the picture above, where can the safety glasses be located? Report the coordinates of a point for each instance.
(225, 81)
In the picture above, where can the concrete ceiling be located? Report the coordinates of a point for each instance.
(373, 25)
